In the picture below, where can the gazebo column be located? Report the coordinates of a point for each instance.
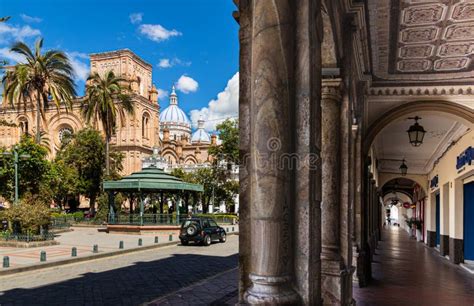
(162, 202)
(142, 207)
(280, 141)
(111, 196)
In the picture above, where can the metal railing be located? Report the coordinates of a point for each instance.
(26, 237)
(161, 219)
(146, 219)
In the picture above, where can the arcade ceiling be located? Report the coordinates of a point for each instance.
(421, 41)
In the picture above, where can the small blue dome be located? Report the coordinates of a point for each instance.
(201, 136)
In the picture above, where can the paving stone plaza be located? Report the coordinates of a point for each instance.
(130, 279)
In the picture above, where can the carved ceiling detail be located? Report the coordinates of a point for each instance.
(422, 40)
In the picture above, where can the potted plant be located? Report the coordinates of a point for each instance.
(418, 224)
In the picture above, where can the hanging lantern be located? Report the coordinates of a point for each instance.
(403, 168)
(416, 133)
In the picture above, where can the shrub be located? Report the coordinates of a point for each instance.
(28, 216)
(78, 215)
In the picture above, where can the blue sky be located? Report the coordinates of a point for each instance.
(190, 43)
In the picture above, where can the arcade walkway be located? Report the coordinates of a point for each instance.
(408, 273)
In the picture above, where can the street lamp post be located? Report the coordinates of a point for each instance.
(16, 159)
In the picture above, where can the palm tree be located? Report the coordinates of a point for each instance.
(42, 78)
(105, 100)
(3, 62)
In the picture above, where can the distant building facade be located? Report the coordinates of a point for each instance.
(136, 135)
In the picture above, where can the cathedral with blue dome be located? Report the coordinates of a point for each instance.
(181, 147)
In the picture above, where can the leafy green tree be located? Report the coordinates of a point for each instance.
(32, 171)
(228, 150)
(105, 101)
(42, 78)
(215, 181)
(63, 181)
(85, 152)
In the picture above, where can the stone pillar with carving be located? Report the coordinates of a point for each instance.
(280, 126)
(336, 276)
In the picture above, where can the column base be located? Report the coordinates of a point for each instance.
(361, 274)
(431, 239)
(444, 245)
(456, 254)
(336, 283)
(271, 290)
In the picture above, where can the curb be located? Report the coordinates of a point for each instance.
(85, 258)
(52, 264)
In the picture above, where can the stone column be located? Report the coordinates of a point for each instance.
(244, 18)
(271, 125)
(279, 120)
(332, 262)
(307, 138)
(331, 158)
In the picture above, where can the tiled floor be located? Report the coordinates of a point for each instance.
(406, 272)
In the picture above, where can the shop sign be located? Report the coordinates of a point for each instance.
(465, 158)
(434, 182)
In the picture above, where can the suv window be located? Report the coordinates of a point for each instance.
(205, 223)
(213, 223)
(189, 222)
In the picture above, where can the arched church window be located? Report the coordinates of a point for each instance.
(24, 127)
(145, 127)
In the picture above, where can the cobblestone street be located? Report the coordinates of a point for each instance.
(130, 279)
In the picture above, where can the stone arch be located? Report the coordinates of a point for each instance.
(190, 160)
(401, 195)
(328, 46)
(462, 113)
(170, 155)
(421, 180)
(331, 50)
(65, 117)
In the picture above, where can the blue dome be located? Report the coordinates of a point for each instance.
(201, 136)
(174, 114)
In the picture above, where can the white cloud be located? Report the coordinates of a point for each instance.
(27, 18)
(165, 63)
(157, 32)
(225, 106)
(168, 63)
(187, 84)
(9, 32)
(162, 94)
(81, 68)
(136, 18)
(11, 57)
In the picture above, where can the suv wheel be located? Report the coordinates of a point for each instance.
(184, 242)
(207, 240)
(223, 237)
(191, 230)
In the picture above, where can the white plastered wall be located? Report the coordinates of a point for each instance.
(454, 180)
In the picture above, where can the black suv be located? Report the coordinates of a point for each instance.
(201, 230)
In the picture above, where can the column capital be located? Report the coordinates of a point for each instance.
(331, 89)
